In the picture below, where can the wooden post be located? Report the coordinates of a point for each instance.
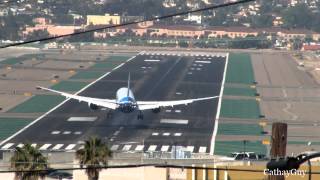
(278, 144)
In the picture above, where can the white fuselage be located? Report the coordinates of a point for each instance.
(125, 100)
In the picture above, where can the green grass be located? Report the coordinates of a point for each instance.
(240, 91)
(38, 103)
(239, 129)
(8, 126)
(303, 143)
(69, 86)
(87, 75)
(106, 65)
(240, 69)
(227, 147)
(247, 109)
(16, 60)
(118, 58)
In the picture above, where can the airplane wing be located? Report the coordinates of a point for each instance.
(144, 105)
(108, 103)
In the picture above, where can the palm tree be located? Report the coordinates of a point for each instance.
(94, 155)
(28, 158)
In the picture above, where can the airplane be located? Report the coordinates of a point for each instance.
(125, 101)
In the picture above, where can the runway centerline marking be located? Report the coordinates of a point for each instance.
(82, 119)
(174, 121)
(151, 60)
(56, 107)
(205, 62)
(55, 132)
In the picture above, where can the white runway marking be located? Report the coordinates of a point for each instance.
(177, 134)
(216, 124)
(70, 146)
(168, 110)
(82, 119)
(78, 132)
(114, 147)
(174, 121)
(151, 60)
(139, 148)
(202, 149)
(164, 148)
(66, 132)
(178, 111)
(190, 148)
(55, 132)
(155, 134)
(45, 146)
(178, 93)
(205, 62)
(20, 145)
(152, 148)
(7, 146)
(126, 147)
(166, 134)
(57, 147)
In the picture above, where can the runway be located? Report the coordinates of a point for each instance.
(155, 76)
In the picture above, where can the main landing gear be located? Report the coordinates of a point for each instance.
(140, 115)
(109, 114)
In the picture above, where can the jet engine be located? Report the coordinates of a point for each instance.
(156, 110)
(93, 106)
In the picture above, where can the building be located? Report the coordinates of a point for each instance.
(107, 19)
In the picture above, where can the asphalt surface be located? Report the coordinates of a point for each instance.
(171, 78)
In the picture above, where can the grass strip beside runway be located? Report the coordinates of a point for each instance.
(239, 129)
(69, 86)
(240, 69)
(240, 91)
(87, 75)
(246, 109)
(38, 103)
(9, 126)
(16, 60)
(227, 147)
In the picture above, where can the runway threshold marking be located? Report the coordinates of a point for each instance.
(82, 119)
(216, 124)
(114, 147)
(7, 146)
(174, 121)
(56, 107)
(139, 148)
(202, 149)
(45, 146)
(57, 147)
(190, 148)
(70, 146)
(152, 148)
(165, 148)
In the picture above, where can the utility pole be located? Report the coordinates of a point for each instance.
(278, 144)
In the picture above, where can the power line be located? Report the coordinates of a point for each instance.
(146, 165)
(130, 23)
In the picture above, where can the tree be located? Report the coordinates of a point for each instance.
(94, 155)
(298, 16)
(28, 158)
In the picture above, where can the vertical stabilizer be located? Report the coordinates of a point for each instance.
(128, 85)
